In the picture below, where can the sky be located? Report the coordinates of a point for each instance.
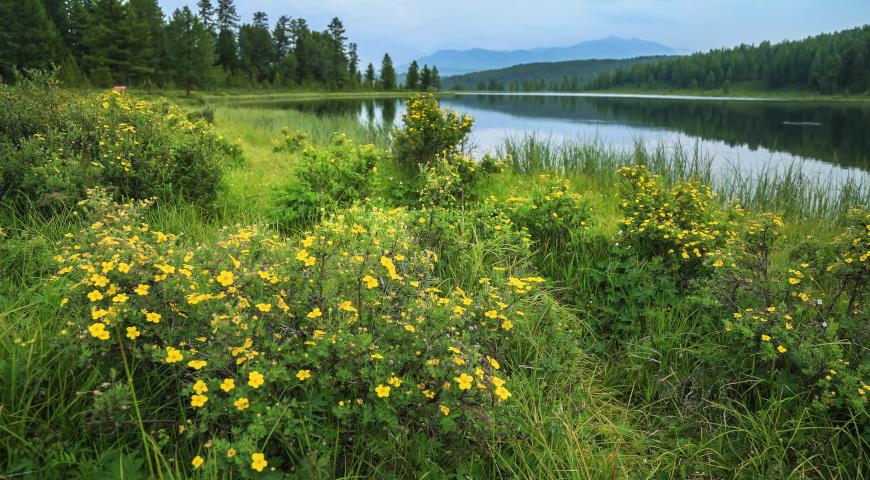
(412, 28)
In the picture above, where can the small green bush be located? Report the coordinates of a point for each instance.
(429, 132)
(290, 141)
(55, 145)
(336, 175)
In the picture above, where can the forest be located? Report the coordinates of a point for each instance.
(542, 76)
(101, 43)
(827, 63)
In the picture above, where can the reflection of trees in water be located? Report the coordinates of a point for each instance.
(388, 111)
(828, 132)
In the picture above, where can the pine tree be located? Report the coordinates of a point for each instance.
(436, 78)
(412, 78)
(190, 49)
(425, 78)
(256, 50)
(109, 43)
(146, 22)
(207, 14)
(353, 62)
(281, 38)
(226, 16)
(29, 39)
(388, 73)
(370, 76)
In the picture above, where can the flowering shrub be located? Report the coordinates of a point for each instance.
(334, 176)
(678, 224)
(429, 132)
(551, 213)
(807, 319)
(291, 141)
(55, 145)
(281, 349)
(449, 180)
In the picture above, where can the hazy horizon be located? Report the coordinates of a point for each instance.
(412, 28)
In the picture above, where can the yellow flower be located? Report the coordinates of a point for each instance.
(718, 263)
(133, 333)
(141, 289)
(315, 313)
(231, 452)
(98, 313)
(255, 379)
(507, 325)
(370, 281)
(225, 278)
(303, 374)
(410, 328)
(173, 355)
(95, 296)
(228, 384)
(493, 362)
(765, 338)
(382, 391)
(99, 280)
(444, 409)
(197, 462)
(200, 387)
(98, 330)
(502, 393)
(264, 307)
(258, 462)
(120, 298)
(152, 317)
(794, 281)
(377, 356)
(241, 404)
(464, 380)
(347, 306)
(197, 364)
(395, 381)
(198, 400)
(788, 326)
(491, 314)
(771, 309)
(781, 349)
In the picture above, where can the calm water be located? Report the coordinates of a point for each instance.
(830, 139)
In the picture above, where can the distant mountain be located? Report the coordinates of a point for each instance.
(452, 62)
(545, 76)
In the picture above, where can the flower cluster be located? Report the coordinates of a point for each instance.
(429, 132)
(266, 338)
(678, 224)
(552, 213)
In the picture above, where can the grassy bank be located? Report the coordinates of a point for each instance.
(619, 357)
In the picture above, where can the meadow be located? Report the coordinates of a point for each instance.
(208, 291)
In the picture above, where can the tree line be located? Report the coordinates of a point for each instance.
(425, 79)
(827, 63)
(132, 42)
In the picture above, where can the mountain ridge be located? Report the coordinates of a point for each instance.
(455, 61)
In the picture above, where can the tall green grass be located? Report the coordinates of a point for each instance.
(790, 190)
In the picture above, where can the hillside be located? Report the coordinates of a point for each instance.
(541, 76)
(455, 62)
(828, 63)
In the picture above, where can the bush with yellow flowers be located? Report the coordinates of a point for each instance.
(56, 144)
(271, 353)
(552, 213)
(803, 325)
(429, 132)
(328, 177)
(291, 141)
(678, 224)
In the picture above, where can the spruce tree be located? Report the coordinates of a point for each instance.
(412, 78)
(190, 50)
(370, 76)
(436, 78)
(207, 14)
(425, 78)
(388, 73)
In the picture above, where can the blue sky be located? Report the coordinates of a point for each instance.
(410, 28)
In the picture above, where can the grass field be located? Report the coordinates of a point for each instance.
(621, 368)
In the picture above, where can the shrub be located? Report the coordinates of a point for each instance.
(804, 323)
(291, 141)
(336, 175)
(57, 144)
(277, 349)
(429, 132)
(552, 213)
(679, 224)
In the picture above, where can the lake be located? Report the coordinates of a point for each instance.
(830, 139)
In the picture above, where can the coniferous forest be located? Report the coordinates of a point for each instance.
(828, 63)
(105, 42)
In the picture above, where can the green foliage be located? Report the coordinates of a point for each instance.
(678, 224)
(552, 213)
(429, 132)
(56, 145)
(336, 175)
(348, 325)
(291, 141)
